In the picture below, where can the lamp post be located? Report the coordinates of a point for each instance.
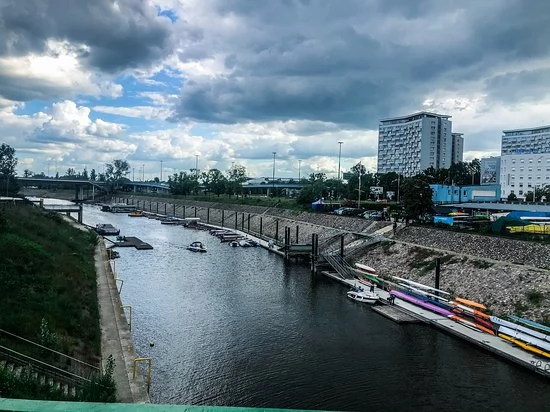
(398, 181)
(339, 158)
(273, 180)
(196, 165)
(299, 169)
(161, 170)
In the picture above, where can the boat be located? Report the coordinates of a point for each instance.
(197, 247)
(423, 304)
(106, 230)
(247, 243)
(471, 303)
(520, 328)
(170, 220)
(420, 285)
(136, 213)
(363, 296)
(529, 323)
(364, 268)
(471, 324)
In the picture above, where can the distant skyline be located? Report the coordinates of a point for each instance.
(232, 81)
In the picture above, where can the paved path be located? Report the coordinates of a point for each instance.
(116, 339)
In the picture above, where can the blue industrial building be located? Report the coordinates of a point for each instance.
(460, 194)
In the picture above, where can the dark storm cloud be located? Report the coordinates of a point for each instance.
(354, 62)
(519, 87)
(117, 35)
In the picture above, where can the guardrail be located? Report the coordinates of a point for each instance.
(25, 351)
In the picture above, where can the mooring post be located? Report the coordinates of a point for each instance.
(287, 241)
(80, 213)
(261, 225)
(342, 246)
(183, 211)
(248, 224)
(208, 215)
(313, 254)
(277, 229)
(437, 273)
(195, 211)
(236, 221)
(297, 233)
(223, 216)
(242, 222)
(174, 209)
(165, 208)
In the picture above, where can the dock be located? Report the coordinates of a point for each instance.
(403, 312)
(131, 241)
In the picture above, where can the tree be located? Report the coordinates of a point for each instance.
(115, 171)
(214, 181)
(28, 173)
(314, 189)
(93, 175)
(512, 197)
(236, 176)
(8, 162)
(416, 198)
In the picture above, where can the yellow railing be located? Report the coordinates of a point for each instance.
(148, 360)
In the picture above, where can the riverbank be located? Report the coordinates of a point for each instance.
(507, 275)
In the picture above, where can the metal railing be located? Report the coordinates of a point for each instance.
(21, 350)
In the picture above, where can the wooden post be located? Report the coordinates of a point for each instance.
(80, 213)
(183, 211)
(297, 233)
(287, 241)
(242, 222)
(261, 225)
(223, 216)
(208, 215)
(248, 224)
(174, 209)
(195, 211)
(157, 206)
(236, 221)
(277, 229)
(165, 208)
(437, 273)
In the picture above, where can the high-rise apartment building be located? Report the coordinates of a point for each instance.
(524, 160)
(410, 144)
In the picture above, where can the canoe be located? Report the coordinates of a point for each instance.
(470, 310)
(525, 345)
(421, 303)
(471, 303)
(420, 285)
(372, 278)
(365, 268)
(529, 323)
(519, 328)
(525, 338)
(471, 324)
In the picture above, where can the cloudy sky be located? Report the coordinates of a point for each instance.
(173, 82)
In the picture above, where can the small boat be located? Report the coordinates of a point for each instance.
(363, 296)
(234, 243)
(247, 243)
(136, 213)
(106, 230)
(364, 268)
(197, 247)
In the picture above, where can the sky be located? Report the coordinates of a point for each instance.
(169, 85)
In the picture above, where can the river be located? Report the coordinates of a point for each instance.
(239, 327)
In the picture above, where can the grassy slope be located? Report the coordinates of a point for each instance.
(47, 271)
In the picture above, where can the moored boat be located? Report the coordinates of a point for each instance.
(197, 247)
(136, 213)
(363, 296)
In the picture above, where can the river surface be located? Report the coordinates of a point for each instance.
(239, 327)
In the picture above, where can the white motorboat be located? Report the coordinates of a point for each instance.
(363, 296)
(197, 247)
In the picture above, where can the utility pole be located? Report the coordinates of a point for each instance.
(161, 170)
(196, 166)
(273, 180)
(299, 167)
(339, 157)
(359, 190)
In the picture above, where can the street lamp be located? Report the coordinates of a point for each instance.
(161, 170)
(196, 165)
(339, 158)
(299, 169)
(273, 181)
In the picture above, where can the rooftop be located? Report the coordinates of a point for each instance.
(528, 129)
(418, 114)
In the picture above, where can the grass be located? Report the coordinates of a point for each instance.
(481, 264)
(48, 281)
(535, 297)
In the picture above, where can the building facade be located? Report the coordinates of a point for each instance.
(461, 194)
(410, 144)
(524, 161)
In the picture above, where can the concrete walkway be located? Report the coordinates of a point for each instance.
(116, 338)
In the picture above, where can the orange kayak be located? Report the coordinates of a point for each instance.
(471, 303)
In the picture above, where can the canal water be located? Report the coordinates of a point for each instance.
(239, 327)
